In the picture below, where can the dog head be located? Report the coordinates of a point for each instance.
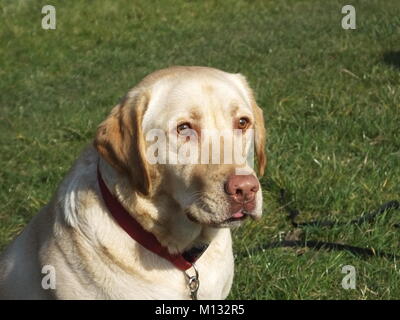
(188, 132)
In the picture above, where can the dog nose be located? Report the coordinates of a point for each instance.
(242, 188)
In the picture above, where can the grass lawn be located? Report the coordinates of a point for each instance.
(330, 97)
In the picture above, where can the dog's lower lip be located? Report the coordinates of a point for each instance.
(237, 216)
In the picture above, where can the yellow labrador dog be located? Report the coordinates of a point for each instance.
(129, 224)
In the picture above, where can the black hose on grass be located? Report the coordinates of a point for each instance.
(293, 213)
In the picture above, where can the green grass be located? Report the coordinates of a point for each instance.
(330, 97)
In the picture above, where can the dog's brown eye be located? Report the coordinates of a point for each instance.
(184, 126)
(243, 123)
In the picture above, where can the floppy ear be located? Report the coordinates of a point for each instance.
(260, 138)
(259, 127)
(119, 140)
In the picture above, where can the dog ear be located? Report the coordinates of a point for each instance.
(260, 138)
(259, 127)
(120, 141)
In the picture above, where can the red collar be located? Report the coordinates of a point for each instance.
(143, 237)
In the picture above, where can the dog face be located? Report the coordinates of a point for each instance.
(179, 132)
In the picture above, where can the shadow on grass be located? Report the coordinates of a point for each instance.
(392, 58)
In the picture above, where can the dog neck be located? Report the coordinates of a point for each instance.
(158, 214)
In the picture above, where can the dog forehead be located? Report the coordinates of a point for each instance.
(203, 92)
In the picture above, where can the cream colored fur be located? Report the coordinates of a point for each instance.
(92, 256)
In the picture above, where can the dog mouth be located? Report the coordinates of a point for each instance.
(240, 215)
(233, 220)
